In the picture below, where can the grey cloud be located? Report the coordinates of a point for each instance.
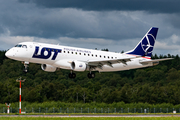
(123, 22)
(25, 19)
(154, 6)
(2, 29)
(174, 20)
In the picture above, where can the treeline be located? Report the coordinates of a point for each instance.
(153, 85)
(92, 105)
(2, 56)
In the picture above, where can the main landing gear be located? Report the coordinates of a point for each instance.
(72, 75)
(89, 75)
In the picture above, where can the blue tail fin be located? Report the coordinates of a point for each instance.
(145, 46)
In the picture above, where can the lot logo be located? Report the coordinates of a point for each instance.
(80, 66)
(46, 53)
(147, 43)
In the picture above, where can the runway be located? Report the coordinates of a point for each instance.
(60, 116)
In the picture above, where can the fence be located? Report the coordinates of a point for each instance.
(91, 110)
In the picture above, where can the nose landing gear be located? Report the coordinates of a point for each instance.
(26, 66)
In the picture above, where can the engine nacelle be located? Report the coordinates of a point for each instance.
(78, 66)
(71, 65)
(48, 68)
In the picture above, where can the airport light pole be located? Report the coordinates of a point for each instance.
(19, 80)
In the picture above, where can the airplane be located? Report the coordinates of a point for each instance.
(52, 56)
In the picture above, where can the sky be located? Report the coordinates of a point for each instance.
(117, 25)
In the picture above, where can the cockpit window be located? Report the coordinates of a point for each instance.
(21, 46)
(24, 46)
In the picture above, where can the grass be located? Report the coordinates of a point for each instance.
(90, 118)
(24, 117)
(91, 114)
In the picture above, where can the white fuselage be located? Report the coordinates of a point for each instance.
(60, 56)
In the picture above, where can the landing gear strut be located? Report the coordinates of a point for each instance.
(90, 75)
(72, 75)
(26, 66)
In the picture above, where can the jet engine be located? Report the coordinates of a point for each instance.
(48, 68)
(71, 65)
(78, 66)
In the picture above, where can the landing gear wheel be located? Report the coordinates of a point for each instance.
(72, 75)
(25, 70)
(91, 75)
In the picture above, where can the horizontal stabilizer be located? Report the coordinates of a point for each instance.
(156, 60)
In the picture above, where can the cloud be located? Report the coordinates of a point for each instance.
(27, 19)
(69, 22)
(116, 24)
(175, 38)
(165, 46)
(152, 6)
(9, 41)
(169, 45)
(98, 41)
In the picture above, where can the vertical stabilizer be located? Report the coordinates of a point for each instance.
(146, 45)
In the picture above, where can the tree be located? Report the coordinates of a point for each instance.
(84, 93)
(77, 90)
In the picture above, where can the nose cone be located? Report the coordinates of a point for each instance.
(9, 54)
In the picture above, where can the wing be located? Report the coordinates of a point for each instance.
(99, 63)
